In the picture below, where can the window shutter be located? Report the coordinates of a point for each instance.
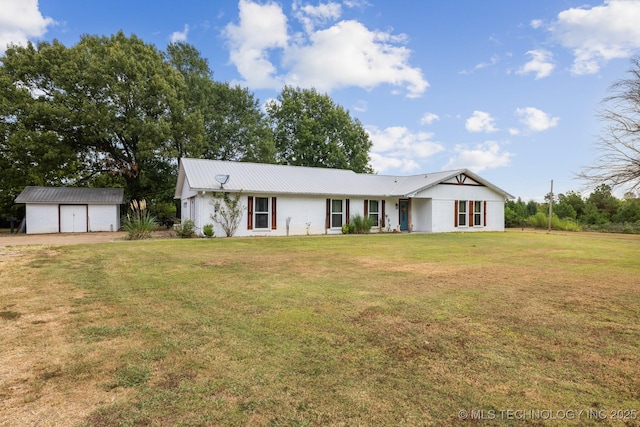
(383, 216)
(455, 214)
(274, 220)
(346, 211)
(366, 208)
(327, 218)
(485, 213)
(249, 212)
(470, 215)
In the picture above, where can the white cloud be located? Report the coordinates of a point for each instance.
(480, 122)
(179, 36)
(398, 147)
(355, 3)
(493, 61)
(343, 54)
(382, 163)
(536, 120)
(261, 28)
(599, 34)
(311, 16)
(487, 155)
(536, 23)
(361, 106)
(541, 64)
(429, 118)
(20, 21)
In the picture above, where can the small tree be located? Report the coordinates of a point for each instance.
(228, 211)
(619, 143)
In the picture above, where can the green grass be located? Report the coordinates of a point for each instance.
(332, 330)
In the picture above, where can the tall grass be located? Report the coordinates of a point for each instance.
(139, 223)
(358, 224)
(541, 221)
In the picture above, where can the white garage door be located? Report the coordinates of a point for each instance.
(73, 218)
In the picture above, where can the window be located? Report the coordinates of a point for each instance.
(261, 212)
(374, 212)
(336, 213)
(477, 213)
(462, 213)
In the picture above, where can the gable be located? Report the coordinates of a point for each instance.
(461, 179)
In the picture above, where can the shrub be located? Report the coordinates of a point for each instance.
(207, 230)
(228, 211)
(361, 225)
(541, 220)
(139, 223)
(186, 229)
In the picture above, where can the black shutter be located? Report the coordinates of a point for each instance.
(455, 215)
(327, 218)
(347, 211)
(249, 212)
(274, 221)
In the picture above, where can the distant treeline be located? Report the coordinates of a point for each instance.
(600, 211)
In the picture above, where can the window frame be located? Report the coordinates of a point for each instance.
(463, 215)
(336, 213)
(478, 213)
(266, 213)
(375, 212)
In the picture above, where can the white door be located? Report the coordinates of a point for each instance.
(73, 218)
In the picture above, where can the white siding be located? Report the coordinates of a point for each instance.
(443, 207)
(422, 217)
(45, 218)
(307, 214)
(104, 218)
(42, 218)
(433, 210)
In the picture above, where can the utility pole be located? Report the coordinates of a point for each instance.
(550, 206)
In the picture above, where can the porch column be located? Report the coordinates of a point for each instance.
(409, 218)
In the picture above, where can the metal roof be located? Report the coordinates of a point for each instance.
(96, 196)
(200, 175)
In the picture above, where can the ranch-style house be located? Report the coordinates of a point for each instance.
(280, 200)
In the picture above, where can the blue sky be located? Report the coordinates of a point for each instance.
(509, 89)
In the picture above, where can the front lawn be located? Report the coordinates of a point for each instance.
(323, 330)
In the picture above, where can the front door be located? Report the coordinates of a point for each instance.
(403, 207)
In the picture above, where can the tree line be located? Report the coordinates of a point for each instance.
(599, 211)
(117, 112)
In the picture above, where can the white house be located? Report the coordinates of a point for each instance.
(292, 200)
(67, 209)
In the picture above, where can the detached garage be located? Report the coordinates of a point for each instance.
(71, 210)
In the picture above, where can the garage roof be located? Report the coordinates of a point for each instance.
(72, 195)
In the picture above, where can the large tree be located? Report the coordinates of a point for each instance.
(619, 143)
(107, 105)
(234, 126)
(311, 130)
(33, 146)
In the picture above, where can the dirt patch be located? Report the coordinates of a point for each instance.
(59, 239)
(70, 238)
